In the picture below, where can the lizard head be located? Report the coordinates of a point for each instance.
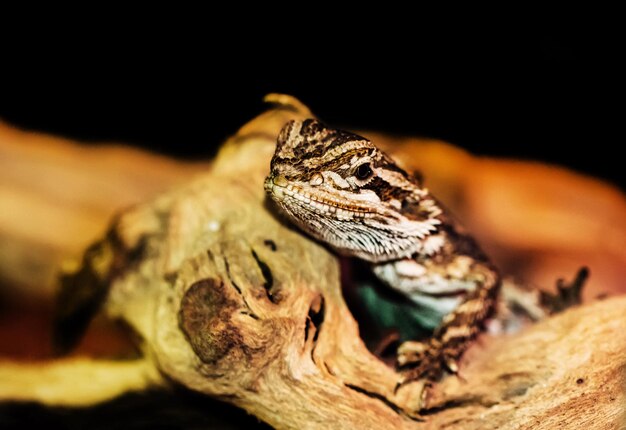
(344, 191)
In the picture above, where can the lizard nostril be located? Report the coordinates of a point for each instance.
(280, 180)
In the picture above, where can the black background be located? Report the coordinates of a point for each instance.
(546, 91)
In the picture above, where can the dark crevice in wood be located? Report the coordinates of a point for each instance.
(307, 324)
(250, 314)
(315, 318)
(328, 369)
(383, 399)
(267, 275)
(230, 276)
(457, 403)
(248, 310)
(270, 244)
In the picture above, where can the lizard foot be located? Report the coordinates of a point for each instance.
(428, 360)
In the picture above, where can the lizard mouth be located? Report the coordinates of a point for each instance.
(319, 201)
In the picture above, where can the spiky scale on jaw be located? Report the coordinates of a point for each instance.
(342, 190)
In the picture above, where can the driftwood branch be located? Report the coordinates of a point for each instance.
(229, 301)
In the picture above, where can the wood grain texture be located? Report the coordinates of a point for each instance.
(232, 302)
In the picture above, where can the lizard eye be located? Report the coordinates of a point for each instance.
(364, 171)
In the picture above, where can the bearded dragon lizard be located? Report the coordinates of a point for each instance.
(345, 192)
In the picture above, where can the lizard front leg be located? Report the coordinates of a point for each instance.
(461, 289)
(341, 189)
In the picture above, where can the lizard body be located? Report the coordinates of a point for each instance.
(341, 189)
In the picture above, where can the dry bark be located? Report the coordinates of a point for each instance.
(230, 301)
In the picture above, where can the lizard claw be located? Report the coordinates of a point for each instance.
(411, 352)
(427, 360)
